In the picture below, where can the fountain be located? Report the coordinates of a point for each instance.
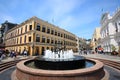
(59, 65)
(59, 55)
(56, 60)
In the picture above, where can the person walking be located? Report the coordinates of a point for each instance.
(25, 53)
(85, 51)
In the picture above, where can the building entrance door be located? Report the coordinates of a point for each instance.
(29, 50)
(43, 49)
(37, 51)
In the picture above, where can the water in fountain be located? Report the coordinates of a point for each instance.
(59, 54)
(59, 60)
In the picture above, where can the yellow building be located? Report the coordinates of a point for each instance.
(96, 36)
(36, 35)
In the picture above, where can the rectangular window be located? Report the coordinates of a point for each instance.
(56, 33)
(52, 31)
(52, 41)
(18, 31)
(25, 39)
(11, 35)
(20, 40)
(37, 39)
(30, 27)
(61, 42)
(61, 35)
(26, 28)
(38, 27)
(43, 39)
(48, 30)
(29, 39)
(17, 40)
(43, 29)
(48, 40)
(55, 41)
(64, 35)
(116, 27)
(21, 30)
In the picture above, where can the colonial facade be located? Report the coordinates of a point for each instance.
(95, 38)
(81, 43)
(4, 27)
(36, 35)
(110, 31)
(116, 22)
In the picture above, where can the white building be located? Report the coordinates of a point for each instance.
(116, 22)
(110, 31)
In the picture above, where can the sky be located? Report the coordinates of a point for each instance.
(79, 17)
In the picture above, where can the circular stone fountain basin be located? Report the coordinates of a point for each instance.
(59, 64)
(23, 72)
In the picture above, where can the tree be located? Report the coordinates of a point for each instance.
(119, 51)
(113, 48)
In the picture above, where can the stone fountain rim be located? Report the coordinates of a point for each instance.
(98, 66)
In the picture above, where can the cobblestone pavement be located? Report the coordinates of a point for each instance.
(6, 75)
(114, 74)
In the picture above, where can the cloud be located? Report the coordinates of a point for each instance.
(5, 17)
(62, 7)
(77, 16)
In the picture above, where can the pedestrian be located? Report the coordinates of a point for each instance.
(25, 53)
(2, 56)
(85, 51)
(96, 50)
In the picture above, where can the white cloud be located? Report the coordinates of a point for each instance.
(5, 17)
(62, 7)
(72, 15)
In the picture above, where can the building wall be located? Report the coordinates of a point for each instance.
(116, 22)
(110, 31)
(81, 43)
(3, 28)
(95, 37)
(18, 38)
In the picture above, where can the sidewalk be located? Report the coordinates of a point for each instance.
(102, 56)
